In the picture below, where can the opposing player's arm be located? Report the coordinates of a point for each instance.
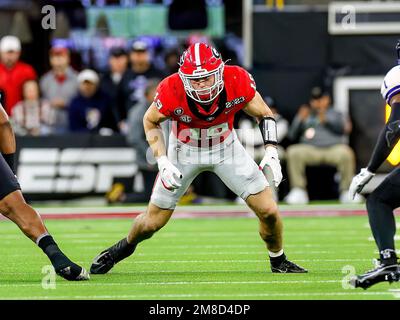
(154, 136)
(388, 137)
(259, 109)
(7, 138)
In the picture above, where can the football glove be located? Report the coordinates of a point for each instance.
(359, 181)
(169, 174)
(272, 161)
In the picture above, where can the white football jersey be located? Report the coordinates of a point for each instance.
(391, 84)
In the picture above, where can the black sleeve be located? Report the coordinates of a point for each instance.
(9, 158)
(387, 139)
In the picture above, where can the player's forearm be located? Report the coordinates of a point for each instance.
(388, 138)
(155, 138)
(262, 112)
(7, 137)
(7, 140)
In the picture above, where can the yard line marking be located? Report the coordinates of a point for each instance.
(197, 253)
(396, 238)
(166, 296)
(396, 292)
(219, 271)
(177, 283)
(154, 245)
(367, 226)
(244, 234)
(246, 241)
(225, 252)
(233, 261)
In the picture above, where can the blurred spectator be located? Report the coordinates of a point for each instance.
(196, 37)
(59, 86)
(323, 134)
(251, 137)
(118, 63)
(171, 60)
(134, 80)
(32, 116)
(13, 73)
(90, 110)
(144, 157)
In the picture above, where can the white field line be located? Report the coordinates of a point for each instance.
(180, 234)
(217, 296)
(218, 246)
(396, 292)
(194, 240)
(178, 283)
(232, 261)
(137, 254)
(396, 238)
(366, 225)
(203, 208)
(152, 272)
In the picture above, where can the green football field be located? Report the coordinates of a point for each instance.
(204, 258)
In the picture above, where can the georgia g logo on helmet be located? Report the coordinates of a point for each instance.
(201, 61)
(216, 53)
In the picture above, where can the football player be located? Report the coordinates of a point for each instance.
(201, 100)
(14, 207)
(386, 197)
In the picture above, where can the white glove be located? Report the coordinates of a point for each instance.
(271, 160)
(359, 181)
(170, 175)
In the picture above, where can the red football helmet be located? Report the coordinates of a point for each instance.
(200, 61)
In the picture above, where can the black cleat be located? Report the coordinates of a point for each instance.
(109, 257)
(102, 263)
(287, 266)
(73, 272)
(381, 273)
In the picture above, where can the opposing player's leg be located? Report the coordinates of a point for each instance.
(14, 207)
(158, 213)
(380, 205)
(242, 175)
(145, 225)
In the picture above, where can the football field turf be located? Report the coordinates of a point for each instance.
(199, 258)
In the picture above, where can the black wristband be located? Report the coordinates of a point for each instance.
(268, 130)
(10, 160)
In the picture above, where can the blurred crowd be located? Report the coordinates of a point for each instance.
(66, 100)
(63, 100)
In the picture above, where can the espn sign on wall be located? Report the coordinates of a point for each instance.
(74, 165)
